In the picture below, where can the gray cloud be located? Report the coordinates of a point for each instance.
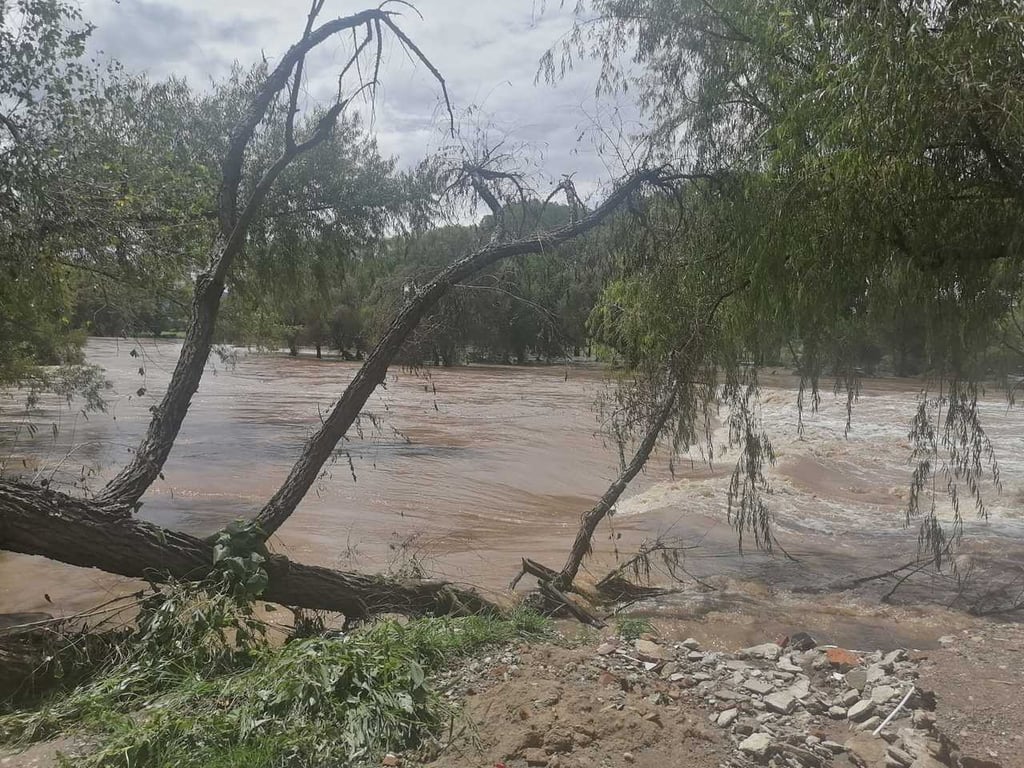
(487, 51)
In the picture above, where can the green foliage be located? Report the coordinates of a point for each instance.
(858, 207)
(198, 684)
(632, 627)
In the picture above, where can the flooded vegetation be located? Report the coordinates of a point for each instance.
(467, 470)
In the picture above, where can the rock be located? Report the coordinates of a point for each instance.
(861, 711)
(582, 737)
(849, 698)
(837, 713)
(891, 658)
(782, 703)
(746, 726)
(607, 678)
(786, 664)
(857, 679)
(882, 693)
(947, 640)
(727, 718)
(648, 650)
(737, 665)
(802, 641)
(606, 649)
(391, 760)
(833, 747)
(769, 651)
(535, 756)
(669, 669)
(695, 656)
(756, 745)
(728, 695)
(691, 644)
(919, 743)
(868, 725)
(899, 756)
(875, 673)
(923, 719)
(926, 761)
(866, 750)
(759, 686)
(800, 689)
(628, 757)
(842, 659)
(558, 740)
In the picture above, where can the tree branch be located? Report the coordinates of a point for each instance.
(136, 477)
(319, 447)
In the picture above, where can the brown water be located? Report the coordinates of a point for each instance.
(470, 469)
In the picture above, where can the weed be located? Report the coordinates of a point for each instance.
(631, 628)
(199, 685)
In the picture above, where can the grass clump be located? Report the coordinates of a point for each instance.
(199, 685)
(632, 628)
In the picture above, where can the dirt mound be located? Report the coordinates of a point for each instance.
(555, 707)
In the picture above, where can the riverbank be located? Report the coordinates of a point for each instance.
(645, 692)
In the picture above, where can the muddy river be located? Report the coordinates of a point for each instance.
(464, 471)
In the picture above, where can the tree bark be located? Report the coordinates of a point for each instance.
(319, 447)
(145, 466)
(592, 518)
(93, 534)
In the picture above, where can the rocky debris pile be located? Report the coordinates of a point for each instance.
(476, 675)
(793, 705)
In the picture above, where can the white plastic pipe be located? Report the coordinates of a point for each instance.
(893, 713)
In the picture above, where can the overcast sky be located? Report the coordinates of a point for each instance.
(488, 50)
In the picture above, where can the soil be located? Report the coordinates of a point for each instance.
(557, 711)
(978, 679)
(560, 704)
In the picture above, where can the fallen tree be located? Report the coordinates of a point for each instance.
(101, 532)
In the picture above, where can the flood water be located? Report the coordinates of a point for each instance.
(467, 470)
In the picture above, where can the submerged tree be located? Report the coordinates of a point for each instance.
(864, 167)
(102, 530)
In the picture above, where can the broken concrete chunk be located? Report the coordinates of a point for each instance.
(849, 698)
(857, 679)
(861, 711)
(728, 717)
(769, 651)
(782, 703)
(649, 651)
(882, 693)
(760, 687)
(756, 745)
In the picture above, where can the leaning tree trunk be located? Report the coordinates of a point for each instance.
(592, 518)
(38, 521)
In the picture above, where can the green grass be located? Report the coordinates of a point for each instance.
(315, 701)
(630, 628)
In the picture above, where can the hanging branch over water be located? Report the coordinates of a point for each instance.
(101, 532)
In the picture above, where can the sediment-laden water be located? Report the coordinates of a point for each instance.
(466, 470)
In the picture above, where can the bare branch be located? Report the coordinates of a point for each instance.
(136, 477)
(411, 46)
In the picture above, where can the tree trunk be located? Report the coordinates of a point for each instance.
(591, 519)
(321, 444)
(38, 521)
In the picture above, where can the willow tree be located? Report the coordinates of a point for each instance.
(864, 163)
(101, 530)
